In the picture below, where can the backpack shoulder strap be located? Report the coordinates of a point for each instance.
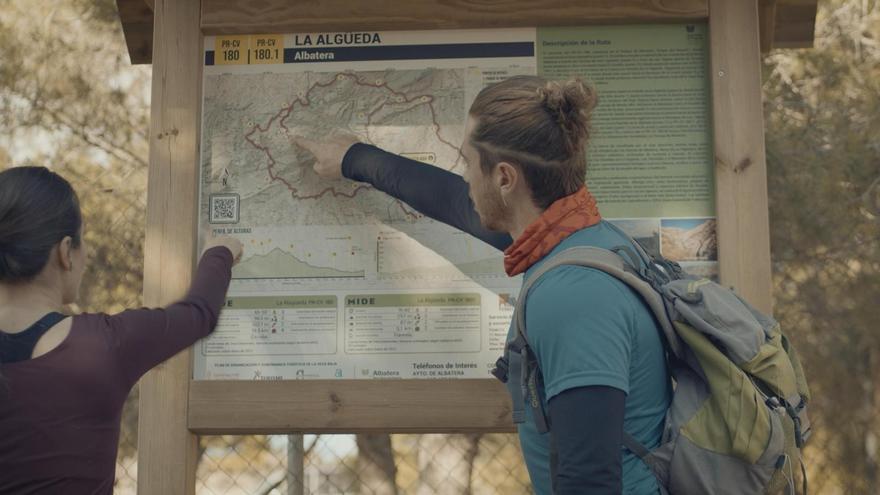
(571, 256)
(612, 264)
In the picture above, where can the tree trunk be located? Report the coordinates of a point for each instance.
(377, 472)
(444, 467)
(470, 457)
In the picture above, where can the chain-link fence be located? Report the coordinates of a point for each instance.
(362, 464)
(379, 464)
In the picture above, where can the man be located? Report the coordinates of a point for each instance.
(597, 345)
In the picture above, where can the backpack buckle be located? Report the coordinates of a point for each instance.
(501, 368)
(794, 413)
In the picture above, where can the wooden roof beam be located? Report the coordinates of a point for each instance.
(783, 23)
(137, 26)
(280, 16)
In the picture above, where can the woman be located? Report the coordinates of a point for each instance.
(63, 380)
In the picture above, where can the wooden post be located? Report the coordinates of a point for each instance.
(740, 165)
(167, 451)
(296, 479)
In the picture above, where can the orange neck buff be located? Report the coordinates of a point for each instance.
(564, 217)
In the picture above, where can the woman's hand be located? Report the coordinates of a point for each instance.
(231, 243)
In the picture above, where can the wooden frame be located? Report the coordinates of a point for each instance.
(167, 450)
(255, 16)
(174, 407)
(784, 23)
(346, 406)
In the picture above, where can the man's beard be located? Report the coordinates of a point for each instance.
(493, 212)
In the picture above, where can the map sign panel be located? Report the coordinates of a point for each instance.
(339, 280)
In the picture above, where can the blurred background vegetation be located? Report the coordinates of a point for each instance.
(70, 100)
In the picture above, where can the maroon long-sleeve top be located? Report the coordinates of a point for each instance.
(60, 412)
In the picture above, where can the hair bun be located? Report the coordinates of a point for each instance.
(571, 103)
(552, 97)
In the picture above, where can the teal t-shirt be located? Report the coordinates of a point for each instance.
(587, 328)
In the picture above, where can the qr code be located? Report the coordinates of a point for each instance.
(224, 208)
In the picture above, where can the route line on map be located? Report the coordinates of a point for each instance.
(285, 112)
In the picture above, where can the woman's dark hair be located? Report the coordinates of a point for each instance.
(38, 208)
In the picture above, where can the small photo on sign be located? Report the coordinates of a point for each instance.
(646, 231)
(223, 208)
(688, 239)
(506, 302)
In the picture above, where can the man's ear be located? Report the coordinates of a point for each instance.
(506, 177)
(65, 248)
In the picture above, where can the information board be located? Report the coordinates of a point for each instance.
(341, 281)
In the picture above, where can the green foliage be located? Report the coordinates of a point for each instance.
(70, 101)
(823, 156)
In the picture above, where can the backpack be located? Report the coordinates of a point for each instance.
(737, 420)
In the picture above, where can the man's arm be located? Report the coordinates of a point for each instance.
(433, 191)
(587, 428)
(436, 193)
(579, 323)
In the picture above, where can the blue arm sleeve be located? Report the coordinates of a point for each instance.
(587, 429)
(436, 193)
